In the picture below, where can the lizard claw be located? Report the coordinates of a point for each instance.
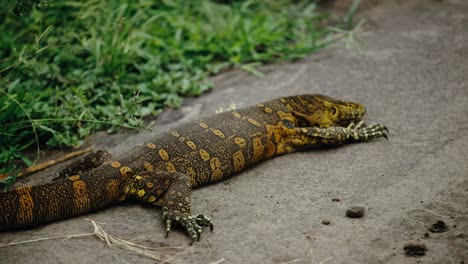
(385, 136)
(191, 223)
(202, 220)
(364, 133)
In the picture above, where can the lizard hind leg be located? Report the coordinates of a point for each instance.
(84, 164)
(172, 191)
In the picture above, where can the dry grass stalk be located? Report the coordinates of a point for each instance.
(162, 254)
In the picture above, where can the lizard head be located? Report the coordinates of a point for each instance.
(324, 111)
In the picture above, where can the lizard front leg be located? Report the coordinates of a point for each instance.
(172, 191)
(332, 136)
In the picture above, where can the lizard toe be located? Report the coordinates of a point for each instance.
(168, 226)
(202, 220)
(193, 224)
(369, 132)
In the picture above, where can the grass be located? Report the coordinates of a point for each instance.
(70, 68)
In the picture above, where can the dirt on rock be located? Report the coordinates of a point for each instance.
(415, 249)
(438, 227)
(355, 212)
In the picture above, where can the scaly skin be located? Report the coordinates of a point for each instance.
(163, 171)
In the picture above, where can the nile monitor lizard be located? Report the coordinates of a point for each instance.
(163, 171)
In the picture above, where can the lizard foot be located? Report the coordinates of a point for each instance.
(363, 132)
(192, 223)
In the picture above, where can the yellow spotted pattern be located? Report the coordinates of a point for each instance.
(115, 164)
(170, 167)
(270, 144)
(215, 163)
(236, 114)
(217, 132)
(163, 154)
(26, 205)
(191, 144)
(130, 190)
(141, 193)
(125, 171)
(217, 173)
(203, 125)
(74, 177)
(151, 145)
(258, 149)
(238, 160)
(112, 188)
(191, 174)
(175, 133)
(240, 142)
(204, 155)
(282, 114)
(127, 189)
(285, 116)
(148, 166)
(80, 195)
(268, 110)
(254, 122)
(302, 100)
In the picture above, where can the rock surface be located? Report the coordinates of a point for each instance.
(412, 76)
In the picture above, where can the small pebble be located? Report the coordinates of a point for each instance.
(415, 249)
(438, 227)
(336, 199)
(355, 212)
(325, 222)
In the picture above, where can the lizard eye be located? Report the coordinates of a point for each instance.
(333, 110)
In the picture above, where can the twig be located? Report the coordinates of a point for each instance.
(112, 242)
(48, 163)
(218, 262)
(2, 245)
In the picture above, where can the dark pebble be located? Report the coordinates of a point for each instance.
(415, 249)
(438, 227)
(325, 222)
(355, 212)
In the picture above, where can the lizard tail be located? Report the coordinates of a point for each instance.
(31, 206)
